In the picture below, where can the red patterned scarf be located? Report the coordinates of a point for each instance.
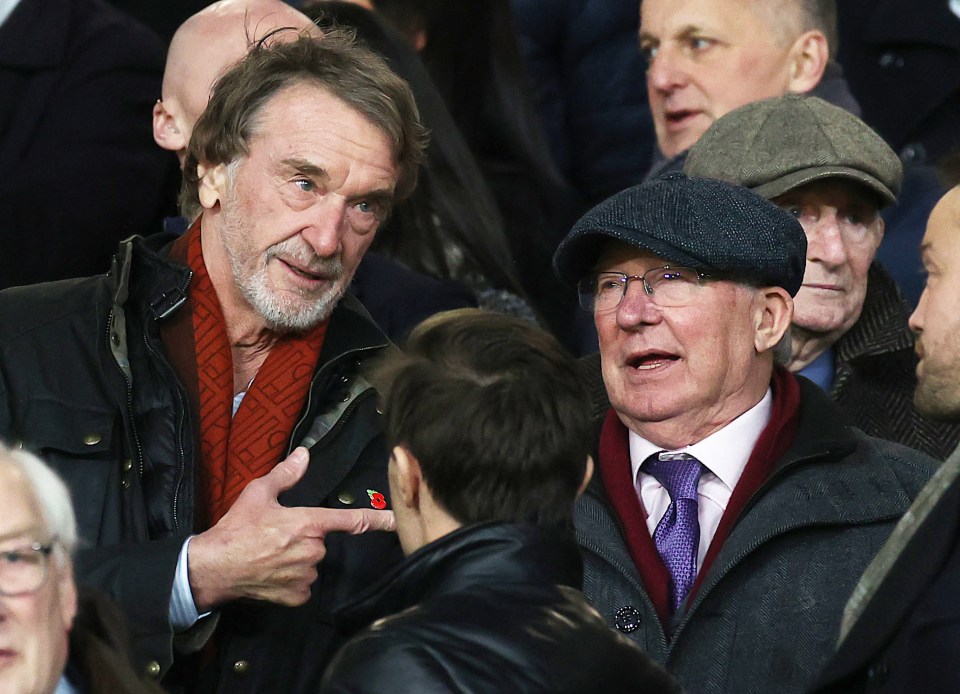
(234, 449)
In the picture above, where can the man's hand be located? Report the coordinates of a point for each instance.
(265, 551)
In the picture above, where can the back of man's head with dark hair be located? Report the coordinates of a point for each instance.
(496, 414)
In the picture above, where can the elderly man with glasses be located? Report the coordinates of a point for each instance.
(45, 646)
(733, 510)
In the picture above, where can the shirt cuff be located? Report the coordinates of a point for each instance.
(183, 610)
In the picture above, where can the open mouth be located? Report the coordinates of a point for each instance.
(677, 119)
(303, 272)
(651, 360)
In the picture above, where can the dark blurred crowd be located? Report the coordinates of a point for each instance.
(585, 171)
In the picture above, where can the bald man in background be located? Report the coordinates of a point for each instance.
(201, 50)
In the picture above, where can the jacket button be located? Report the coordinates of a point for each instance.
(115, 338)
(891, 59)
(877, 673)
(346, 498)
(627, 619)
(127, 465)
(153, 668)
(241, 667)
(92, 439)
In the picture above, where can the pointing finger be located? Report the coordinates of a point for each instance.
(320, 521)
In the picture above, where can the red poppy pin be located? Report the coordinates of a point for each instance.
(376, 499)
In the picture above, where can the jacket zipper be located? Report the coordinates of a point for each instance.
(129, 392)
(179, 435)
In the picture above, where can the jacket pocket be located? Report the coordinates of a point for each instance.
(80, 445)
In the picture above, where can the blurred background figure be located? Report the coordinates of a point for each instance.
(450, 227)
(79, 171)
(588, 76)
(903, 64)
(46, 645)
(471, 51)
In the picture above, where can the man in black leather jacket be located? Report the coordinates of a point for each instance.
(125, 382)
(491, 431)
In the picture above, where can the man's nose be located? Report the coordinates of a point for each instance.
(324, 227)
(825, 241)
(665, 71)
(916, 318)
(637, 308)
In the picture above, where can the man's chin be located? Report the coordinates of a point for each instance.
(936, 403)
(298, 315)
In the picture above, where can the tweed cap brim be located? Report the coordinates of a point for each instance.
(788, 182)
(705, 224)
(775, 145)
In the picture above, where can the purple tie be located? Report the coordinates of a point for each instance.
(678, 533)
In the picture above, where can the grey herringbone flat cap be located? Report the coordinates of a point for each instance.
(776, 145)
(696, 222)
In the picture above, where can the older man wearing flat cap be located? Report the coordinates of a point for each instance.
(833, 173)
(732, 511)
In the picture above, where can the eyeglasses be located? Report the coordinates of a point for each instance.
(24, 570)
(667, 286)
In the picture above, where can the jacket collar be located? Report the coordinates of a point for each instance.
(477, 555)
(882, 326)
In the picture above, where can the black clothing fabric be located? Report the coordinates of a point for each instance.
(100, 650)
(903, 64)
(908, 636)
(85, 382)
(588, 73)
(488, 608)
(79, 169)
(875, 374)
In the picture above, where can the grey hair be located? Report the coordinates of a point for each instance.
(783, 350)
(50, 494)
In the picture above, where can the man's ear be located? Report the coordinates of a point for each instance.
(408, 478)
(587, 475)
(810, 55)
(772, 316)
(212, 186)
(166, 132)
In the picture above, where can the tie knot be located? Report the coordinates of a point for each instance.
(679, 473)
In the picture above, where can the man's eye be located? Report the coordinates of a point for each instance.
(607, 285)
(700, 44)
(649, 52)
(304, 184)
(15, 557)
(795, 211)
(366, 207)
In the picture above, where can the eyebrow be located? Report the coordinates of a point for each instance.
(29, 532)
(684, 32)
(305, 167)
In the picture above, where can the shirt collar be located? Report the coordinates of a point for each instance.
(725, 452)
(6, 7)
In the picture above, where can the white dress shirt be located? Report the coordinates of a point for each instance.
(724, 455)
